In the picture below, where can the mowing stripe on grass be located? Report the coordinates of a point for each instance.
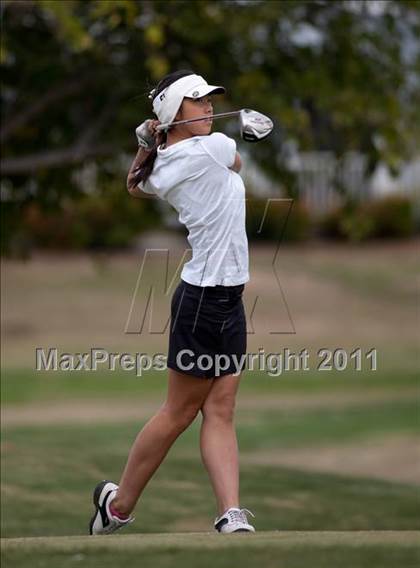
(212, 540)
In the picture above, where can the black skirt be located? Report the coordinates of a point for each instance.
(207, 336)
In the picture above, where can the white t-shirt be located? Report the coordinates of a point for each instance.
(193, 175)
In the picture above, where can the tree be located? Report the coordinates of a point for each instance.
(75, 77)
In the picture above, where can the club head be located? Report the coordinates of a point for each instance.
(254, 125)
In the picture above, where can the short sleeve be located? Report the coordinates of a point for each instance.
(146, 187)
(221, 148)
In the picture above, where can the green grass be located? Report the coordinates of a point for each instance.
(268, 550)
(371, 281)
(257, 429)
(26, 385)
(271, 429)
(50, 472)
(376, 277)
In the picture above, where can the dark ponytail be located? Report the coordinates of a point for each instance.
(143, 171)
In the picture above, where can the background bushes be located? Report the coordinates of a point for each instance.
(93, 222)
(389, 217)
(278, 220)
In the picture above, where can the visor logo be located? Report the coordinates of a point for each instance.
(195, 94)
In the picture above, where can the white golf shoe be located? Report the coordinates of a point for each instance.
(103, 521)
(234, 520)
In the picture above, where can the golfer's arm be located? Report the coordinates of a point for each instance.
(237, 164)
(134, 190)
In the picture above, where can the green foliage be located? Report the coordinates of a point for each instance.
(277, 220)
(92, 222)
(390, 216)
(75, 76)
(347, 223)
(299, 224)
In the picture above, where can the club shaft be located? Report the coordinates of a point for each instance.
(206, 117)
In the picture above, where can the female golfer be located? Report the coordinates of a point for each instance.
(196, 172)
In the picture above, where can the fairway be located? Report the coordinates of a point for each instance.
(329, 461)
(270, 548)
(213, 541)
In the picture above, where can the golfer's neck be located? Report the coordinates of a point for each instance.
(176, 136)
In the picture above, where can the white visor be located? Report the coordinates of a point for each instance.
(166, 104)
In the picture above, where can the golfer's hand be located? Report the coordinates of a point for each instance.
(146, 133)
(153, 124)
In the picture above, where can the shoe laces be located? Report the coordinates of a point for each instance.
(239, 515)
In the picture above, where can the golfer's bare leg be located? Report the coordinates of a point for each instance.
(218, 442)
(185, 397)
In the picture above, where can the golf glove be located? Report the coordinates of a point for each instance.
(144, 135)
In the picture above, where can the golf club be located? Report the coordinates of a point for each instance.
(254, 126)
